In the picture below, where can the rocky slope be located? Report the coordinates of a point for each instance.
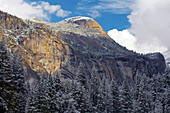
(71, 44)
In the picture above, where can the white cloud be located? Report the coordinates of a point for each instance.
(124, 38)
(114, 6)
(51, 8)
(150, 21)
(26, 10)
(94, 14)
(63, 13)
(21, 9)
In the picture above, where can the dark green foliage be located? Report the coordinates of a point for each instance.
(81, 75)
(94, 92)
(115, 100)
(6, 80)
(126, 98)
(20, 90)
(81, 95)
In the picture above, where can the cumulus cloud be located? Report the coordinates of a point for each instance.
(26, 10)
(94, 14)
(150, 21)
(63, 13)
(124, 38)
(21, 9)
(51, 8)
(150, 24)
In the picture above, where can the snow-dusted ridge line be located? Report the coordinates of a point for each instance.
(37, 20)
(73, 19)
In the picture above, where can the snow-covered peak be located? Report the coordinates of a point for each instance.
(37, 20)
(73, 19)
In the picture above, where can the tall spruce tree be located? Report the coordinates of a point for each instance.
(53, 93)
(125, 98)
(104, 101)
(94, 91)
(79, 97)
(57, 93)
(6, 80)
(20, 89)
(30, 104)
(115, 102)
(143, 100)
(81, 75)
(41, 104)
(68, 102)
(166, 93)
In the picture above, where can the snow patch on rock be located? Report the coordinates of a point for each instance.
(73, 19)
(37, 20)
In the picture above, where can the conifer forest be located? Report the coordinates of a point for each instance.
(55, 94)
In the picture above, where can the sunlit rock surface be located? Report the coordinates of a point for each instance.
(61, 47)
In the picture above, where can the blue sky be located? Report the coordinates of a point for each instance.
(109, 17)
(139, 25)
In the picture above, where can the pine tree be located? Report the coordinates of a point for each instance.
(79, 97)
(94, 91)
(41, 104)
(81, 75)
(142, 101)
(6, 80)
(125, 98)
(53, 91)
(49, 93)
(163, 93)
(20, 91)
(166, 101)
(166, 93)
(30, 104)
(137, 85)
(115, 102)
(59, 90)
(155, 94)
(103, 104)
(28, 96)
(71, 106)
(68, 103)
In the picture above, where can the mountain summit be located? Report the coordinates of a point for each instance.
(73, 46)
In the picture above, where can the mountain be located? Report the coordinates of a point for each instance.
(71, 45)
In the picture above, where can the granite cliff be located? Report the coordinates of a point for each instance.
(71, 44)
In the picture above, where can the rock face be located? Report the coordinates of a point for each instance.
(62, 47)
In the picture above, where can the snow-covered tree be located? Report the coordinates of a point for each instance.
(68, 104)
(6, 80)
(31, 99)
(165, 100)
(125, 98)
(104, 102)
(81, 75)
(143, 100)
(20, 90)
(53, 92)
(79, 97)
(115, 102)
(41, 104)
(94, 90)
